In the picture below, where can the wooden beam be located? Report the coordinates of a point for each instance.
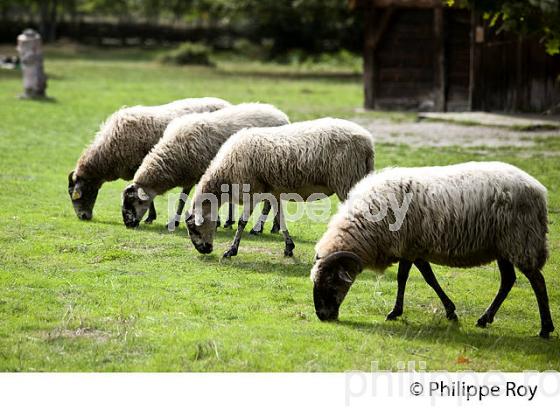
(374, 29)
(475, 64)
(382, 26)
(439, 61)
(521, 76)
(369, 58)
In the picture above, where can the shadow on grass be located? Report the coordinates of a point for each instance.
(266, 236)
(221, 233)
(41, 100)
(282, 266)
(154, 227)
(460, 334)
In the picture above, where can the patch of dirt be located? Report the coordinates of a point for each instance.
(81, 332)
(441, 134)
(519, 122)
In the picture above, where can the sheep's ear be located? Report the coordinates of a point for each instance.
(129, 191)
(345, 276)
(188, 217)
(350, 263)
(71, 179)
(142, 195)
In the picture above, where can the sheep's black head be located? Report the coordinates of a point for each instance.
(135, 202)
(83, 193)
(201, 230)
(332, 277)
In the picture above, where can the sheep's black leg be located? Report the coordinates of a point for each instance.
(507, 273)
(180, 206)
(229, 221)
(275, 225)
(539, 287)
(258, 228)
(288, 242)
(428, 274)
(151, 214)
(232, 251)
(402, 277)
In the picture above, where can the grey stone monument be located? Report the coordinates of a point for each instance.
(31, 56)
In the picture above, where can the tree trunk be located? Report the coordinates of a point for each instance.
(53, 20)
(44, 17)
(439, 61)
(48, 11)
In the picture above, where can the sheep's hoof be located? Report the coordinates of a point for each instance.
(482, 322)
(452, 316)
(393, 315)
(275, 229)
(544, 334)
(255, 232)
(228, 224)
(148, 221)
(545, 331)
(288, 250)
(230, 252)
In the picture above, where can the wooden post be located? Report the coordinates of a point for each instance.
(475, 68)
(521, 78)
(374, 29)
(440, 85)
(369, 58)
(31, 57)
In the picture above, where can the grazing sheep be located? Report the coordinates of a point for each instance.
(120, 146)
(323, 156)
(461, 215)
(185, 151)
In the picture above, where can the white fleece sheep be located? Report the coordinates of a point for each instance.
(323, 156)
(121, 144)
(460, 215)
(185, 151)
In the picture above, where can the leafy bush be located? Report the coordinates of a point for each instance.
(252, 50)
(188, 54)
(341, 59)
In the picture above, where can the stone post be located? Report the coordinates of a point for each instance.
(31, 56)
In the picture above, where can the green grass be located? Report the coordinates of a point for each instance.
(78, 296)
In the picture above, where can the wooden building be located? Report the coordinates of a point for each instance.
(423, 55)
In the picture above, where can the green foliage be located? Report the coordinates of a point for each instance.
(540, 17)
(302, 58)
(314, 25)
(188, 54)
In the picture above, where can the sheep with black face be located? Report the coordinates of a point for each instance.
(188, 146)
(120, 146)
(320, 157)
(462, 215)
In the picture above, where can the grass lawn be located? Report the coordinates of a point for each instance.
(94, 296)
